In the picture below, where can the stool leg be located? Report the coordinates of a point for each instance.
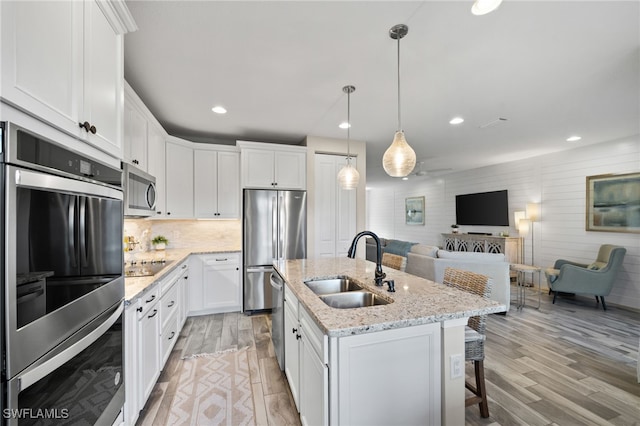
(481, 388)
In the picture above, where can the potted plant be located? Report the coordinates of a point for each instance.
(160, 242)
(454, 228)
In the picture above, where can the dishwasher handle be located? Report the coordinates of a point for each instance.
(276, 281)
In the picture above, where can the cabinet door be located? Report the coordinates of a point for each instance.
(149, 335)
(131, 403)
(314, 386)
(221, 285)
(290, 170)
(135, 138)
(291, 353)
(156, 167)
(42, 56)
(179, 180)
(103, 81)
(257, 168)
(194, 285)
(205, 181)
(228, 185)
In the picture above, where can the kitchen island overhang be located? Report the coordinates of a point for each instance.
(417, 302)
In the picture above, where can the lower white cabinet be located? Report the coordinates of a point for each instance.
(148, 337)
(215, 284)
(306, 366)
(131, 360)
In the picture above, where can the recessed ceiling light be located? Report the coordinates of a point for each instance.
(456, 120)
(482, 7)
(344, 125)
(219, 110)
(574, 138)
(405, 178)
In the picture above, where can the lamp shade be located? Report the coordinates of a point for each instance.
(524, 227)
(533, 212)
(348, 177)
(517, 216)
(399, 159)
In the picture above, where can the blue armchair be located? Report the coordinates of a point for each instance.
(596, 278)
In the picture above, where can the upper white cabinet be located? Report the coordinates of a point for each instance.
(156, 166)
(273, 166)
(179, 176)
(217, 184)
(63, 62)
(335, 208)
(135, 136)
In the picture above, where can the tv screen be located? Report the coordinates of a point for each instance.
(484, 208)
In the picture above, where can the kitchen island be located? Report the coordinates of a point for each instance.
(383, 364)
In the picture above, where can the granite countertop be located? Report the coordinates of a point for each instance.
(416, 300)
(134, 287)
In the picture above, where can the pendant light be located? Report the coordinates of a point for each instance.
(482, 7)
(399, 159)
(348, 176)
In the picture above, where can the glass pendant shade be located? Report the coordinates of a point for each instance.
(399, 159)
(348, 177)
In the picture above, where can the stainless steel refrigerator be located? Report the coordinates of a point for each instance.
(275, 227)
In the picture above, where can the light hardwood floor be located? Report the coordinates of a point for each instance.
(564, 364)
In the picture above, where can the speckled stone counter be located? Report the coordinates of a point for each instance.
(134, 287)
(416, 300)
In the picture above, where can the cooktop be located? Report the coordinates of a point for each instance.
(144, 268)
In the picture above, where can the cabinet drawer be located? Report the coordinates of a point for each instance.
(169, 304)
(221, 259)
(148, 301)
(314, 336)
(291, 301)
(169, 337)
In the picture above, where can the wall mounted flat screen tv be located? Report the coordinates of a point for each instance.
(484, 208)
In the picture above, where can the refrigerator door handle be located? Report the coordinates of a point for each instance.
(274, 228)
(282, 220)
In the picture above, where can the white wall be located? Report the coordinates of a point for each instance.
(557, 181)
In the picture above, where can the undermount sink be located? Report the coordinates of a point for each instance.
(332, 285)
(353, 299)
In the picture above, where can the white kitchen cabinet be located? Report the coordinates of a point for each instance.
(179, 179)
(131, 359)
(183, 283)
(215, 284)
(156, 167)
(335, 208)
(149, 338)
(71, 76)
(169, 303)
(135, 135)
(291, 345)
(305, 360)
(217, 184)
(273, 166)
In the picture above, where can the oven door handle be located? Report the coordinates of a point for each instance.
(68, 350)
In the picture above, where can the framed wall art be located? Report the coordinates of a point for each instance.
(613, 203)
(414, 211)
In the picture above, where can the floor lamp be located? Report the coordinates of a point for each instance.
(518, 216)
(533, 214)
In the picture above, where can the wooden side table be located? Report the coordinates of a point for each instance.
(521, 271)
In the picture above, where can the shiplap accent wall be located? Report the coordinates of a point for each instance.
(557, 181)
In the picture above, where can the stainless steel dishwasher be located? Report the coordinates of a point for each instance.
(277, 316)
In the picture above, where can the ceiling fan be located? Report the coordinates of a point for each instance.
(421, 171)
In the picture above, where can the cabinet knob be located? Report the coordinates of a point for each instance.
(298, 337)
(86, 126)
(294, 330)
(139, 309)
(158, 212)
(93, 129)
(168, 213)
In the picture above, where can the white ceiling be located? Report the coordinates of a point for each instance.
(551, 68)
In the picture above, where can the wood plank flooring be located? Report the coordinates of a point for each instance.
(273, 402)
(565, 364)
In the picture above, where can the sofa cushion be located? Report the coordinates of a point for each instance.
(401, 248)
(425, 250)
(463, 255)
(596, 266)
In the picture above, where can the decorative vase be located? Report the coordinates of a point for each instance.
(160, 246)
(454, 230)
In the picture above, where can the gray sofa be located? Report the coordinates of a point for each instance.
(430, 262)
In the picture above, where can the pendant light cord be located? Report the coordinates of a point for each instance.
(348, 126)
(399, 115)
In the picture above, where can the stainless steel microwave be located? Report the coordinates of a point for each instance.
(139, 191)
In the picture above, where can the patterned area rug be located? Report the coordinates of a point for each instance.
(214, 389)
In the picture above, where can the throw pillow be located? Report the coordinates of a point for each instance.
(425, 250)
(401, 248)
(596, 266)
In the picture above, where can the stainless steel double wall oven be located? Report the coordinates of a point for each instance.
(62, 284)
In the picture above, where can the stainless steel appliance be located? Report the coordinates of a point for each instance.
(274, 227)
(63, 283)
(277, 317)
(139, 192)
(145, 268)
